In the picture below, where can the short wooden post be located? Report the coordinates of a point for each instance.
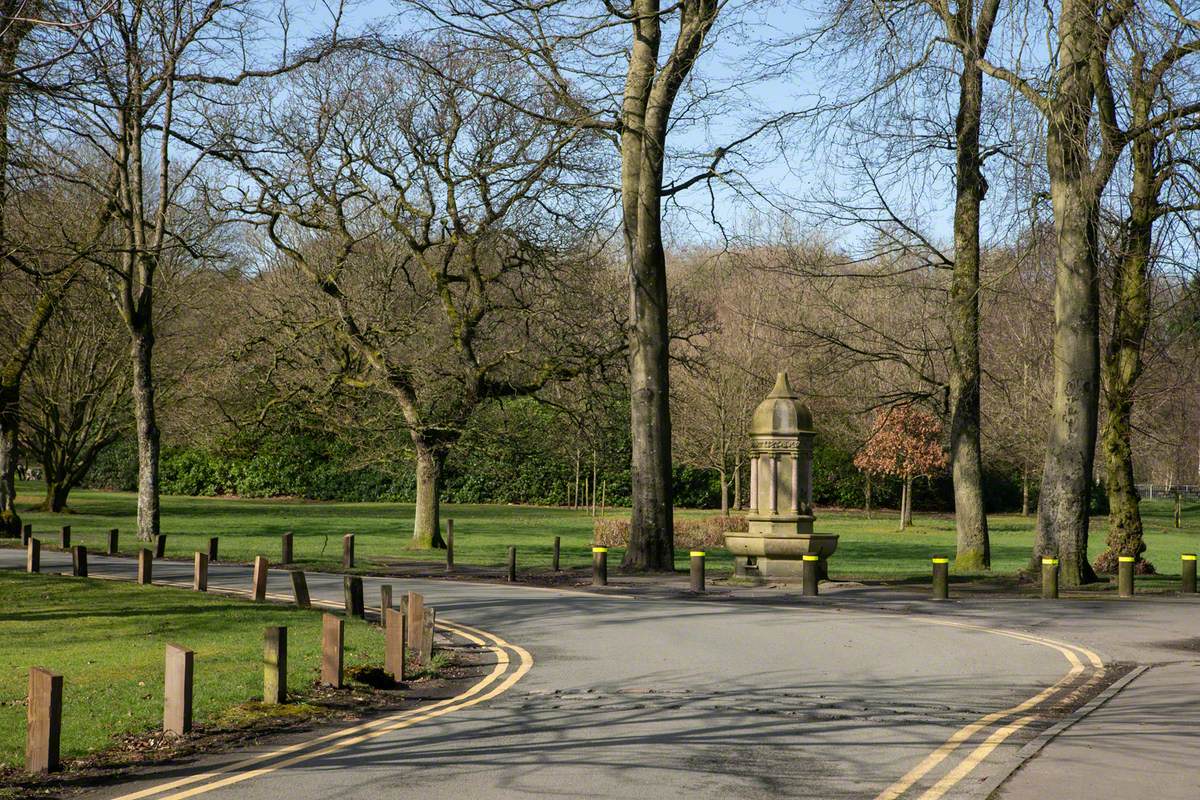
(145, 567)
(160, 545)
(261, 565)
(113, 535)
(64, 537)
(557, 550)
(599, 566)
(200, 572)
(416, 620)
(177, 689)
(212, 550)
(333, 631)
(385, 603)
(809, 575)
(449, 545)
(43, 720)
(79, 561)
(697, 570)
(1125, 576)
(33, 556)
(1188, 573)
(275, 665)
(300, 589)
(348, 550)
(427, 625)
(26, 533)
(285, 548)
(1178, 509)
(941, 578)
(352, 587)
(512, 564)
(396, 625)
(1049, 578)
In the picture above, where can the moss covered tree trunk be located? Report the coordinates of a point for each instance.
(10, 521)
(148, 444)
(57, 492)
(1123, 359)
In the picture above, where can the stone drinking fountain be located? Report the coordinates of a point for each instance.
(781, 511)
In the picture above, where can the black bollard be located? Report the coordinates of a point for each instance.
(1188, 573)
(1049, 578)
(941, 578)
(1125, 576)
(697, 572)
(599, 566)
(810, 576)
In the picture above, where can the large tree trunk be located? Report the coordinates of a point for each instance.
(147, 431)
(57, 491)
(1062, 528)
(1123, 360)
(427, 520)
(973, 551)
(651, 538)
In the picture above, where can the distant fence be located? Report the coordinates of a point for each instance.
(1149, 491)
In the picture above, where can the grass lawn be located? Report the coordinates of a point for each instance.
(868, 549)
(107, 640)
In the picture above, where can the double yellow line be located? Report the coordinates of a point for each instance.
(1072, 653)
(507, 670)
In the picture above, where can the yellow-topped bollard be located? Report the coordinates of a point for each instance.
(599, 566)
(1188, 573)
(810, 574)
(941, 578)
(1049, 578)
(697, 571)
(1125, 576)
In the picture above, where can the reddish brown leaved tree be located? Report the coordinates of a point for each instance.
(905, 442)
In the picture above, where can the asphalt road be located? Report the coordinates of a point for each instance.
(860, 694)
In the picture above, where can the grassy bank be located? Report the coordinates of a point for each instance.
(107, 640)
(868, 549)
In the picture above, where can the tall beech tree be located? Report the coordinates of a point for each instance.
(629, 70)
(434, 221)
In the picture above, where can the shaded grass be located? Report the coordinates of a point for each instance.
(869, 549)
(107, 639)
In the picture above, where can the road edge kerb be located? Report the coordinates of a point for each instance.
(986, 789)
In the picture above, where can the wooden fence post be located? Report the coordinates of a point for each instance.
(427, 624)
(200, 572)
(43, 720)
(79, 561)
(212, 550)
(285, 547)
(33, 555)
(145, 567)
(416, 621)
(449, 545)
(352, 587)
(177, 690)
(348, 550)
(113, 535)
(260, 578)
(160, 545)
(64, 538)
(26, 533)
(300, 589)
(385, 603)
(396, 629)
(275, 665)
(333, 631)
